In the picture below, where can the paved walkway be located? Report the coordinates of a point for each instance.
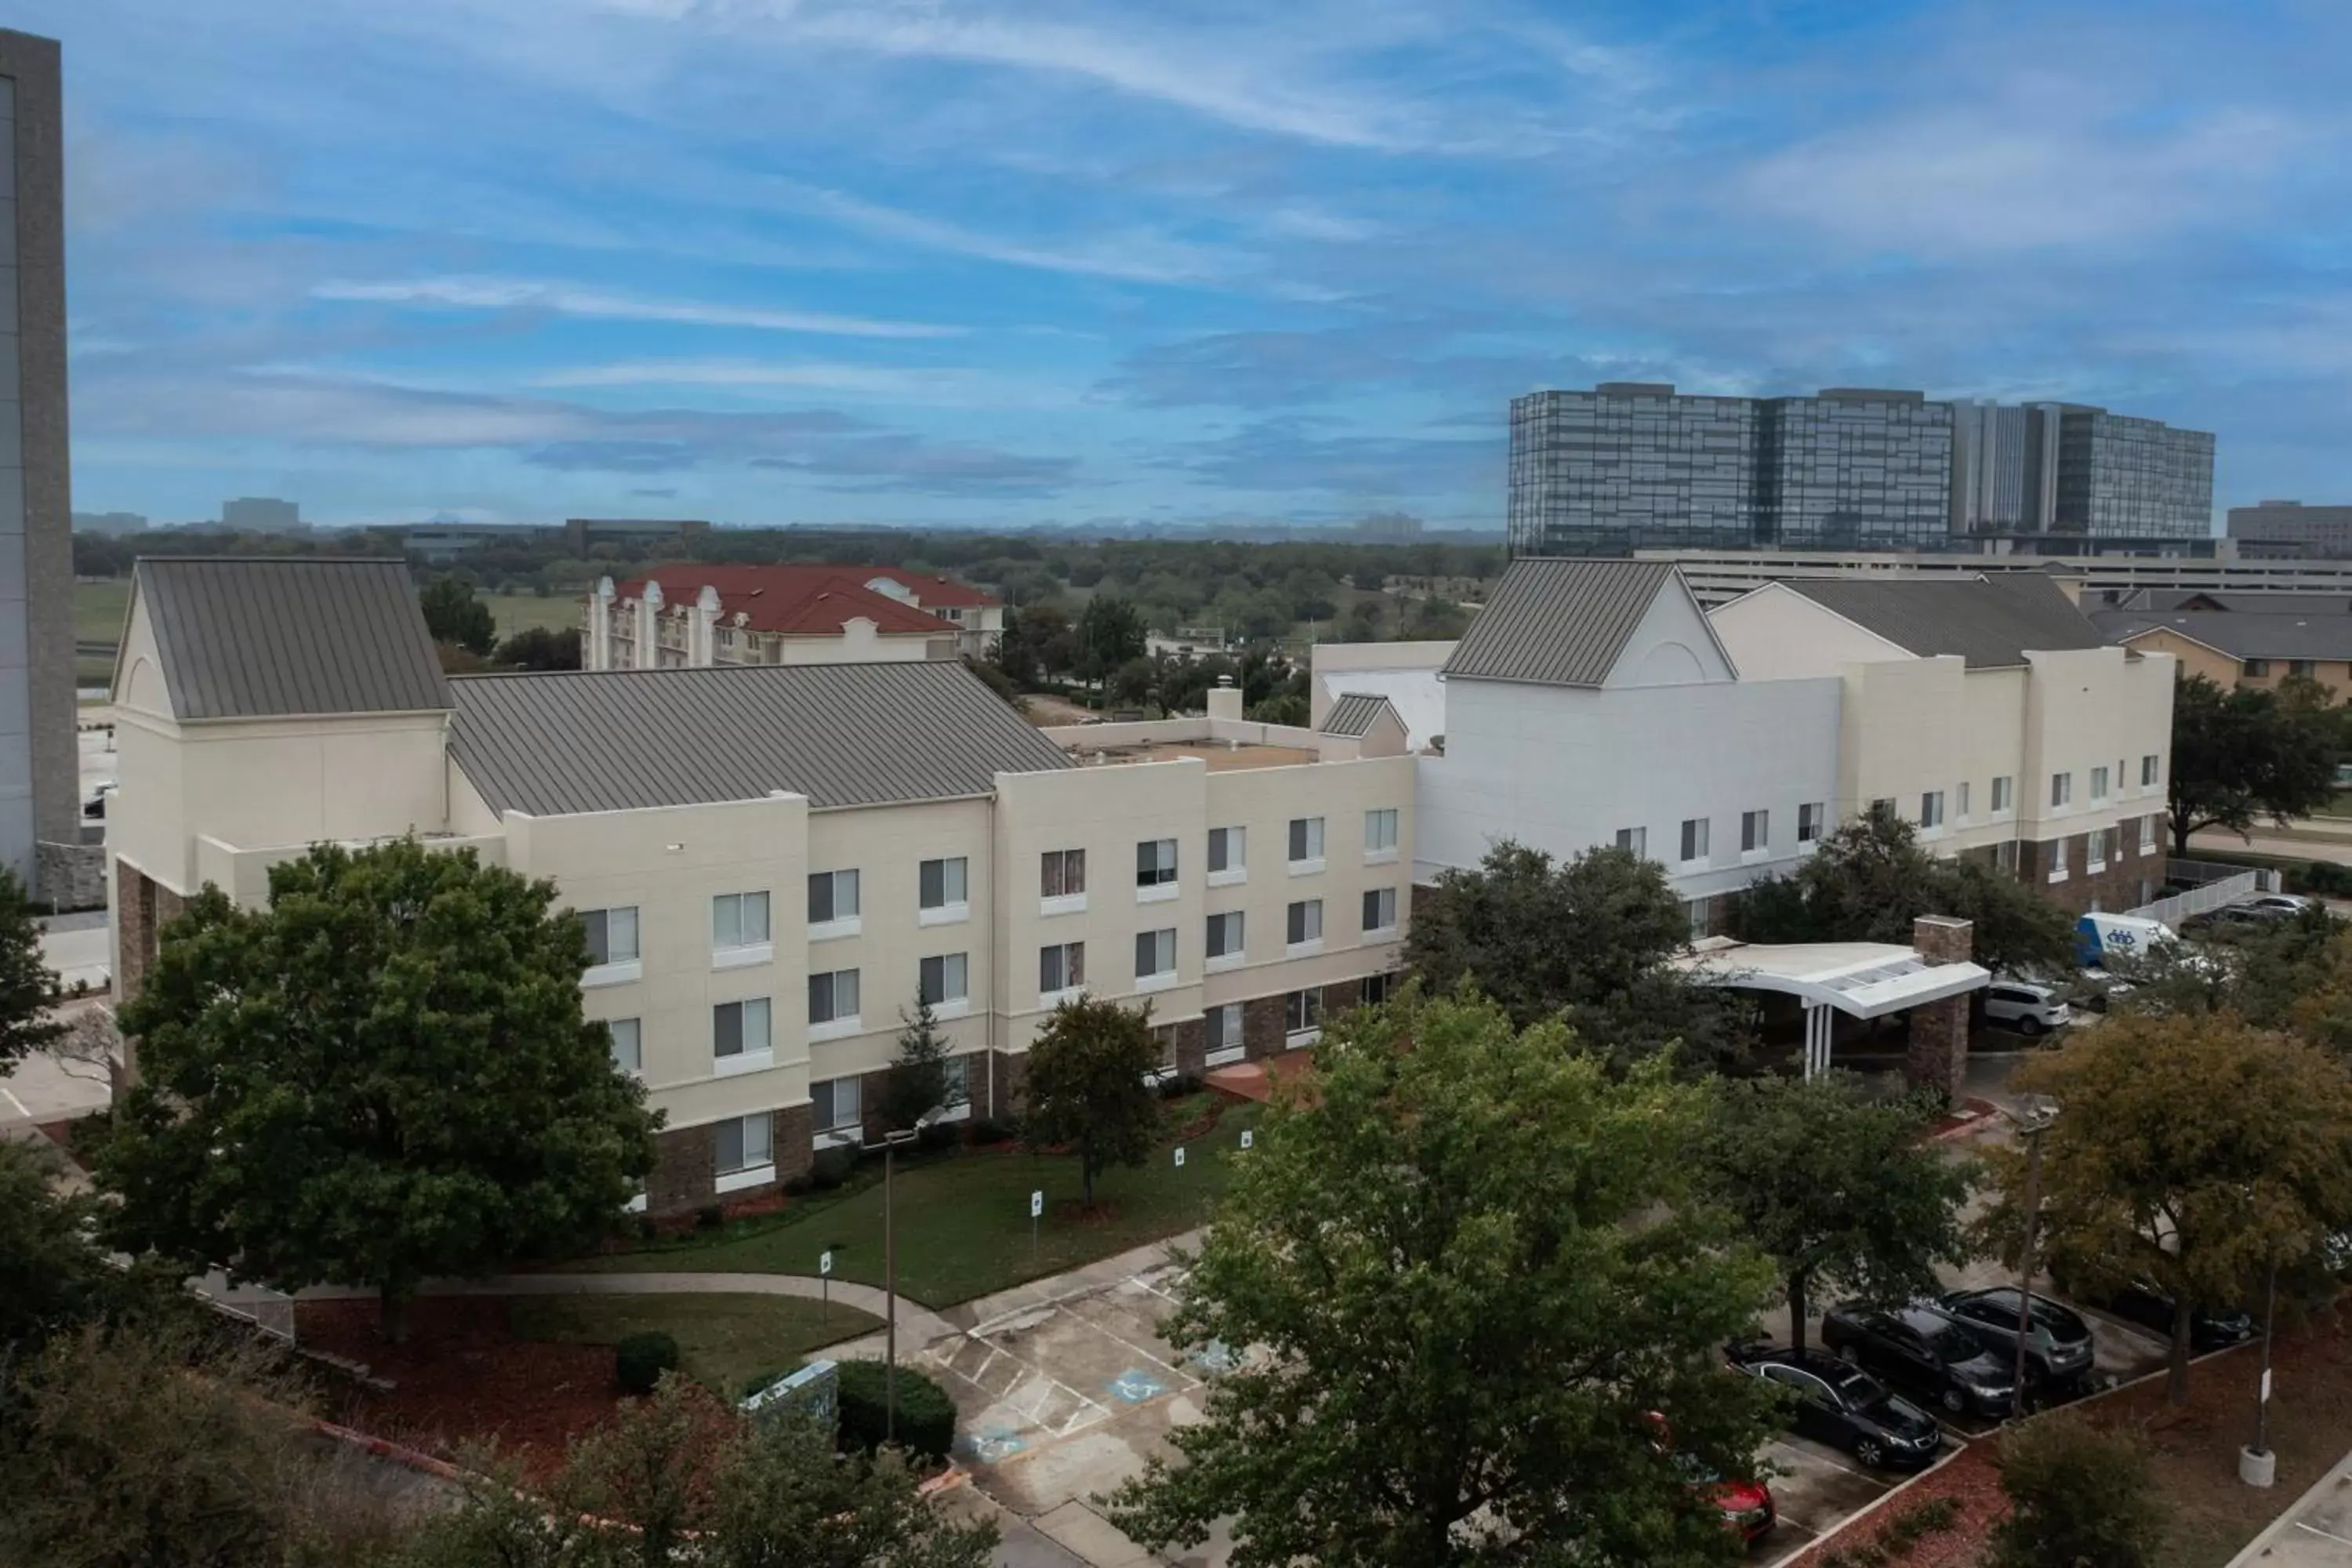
(2315, 1531)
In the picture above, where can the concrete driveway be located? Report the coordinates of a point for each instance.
(2315, 1531)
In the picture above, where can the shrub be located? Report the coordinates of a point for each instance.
(797, 1185)
(709, 1217)
(832, 1167)
(1180, 1086)
(759, 1383)
(640, 1359)
(986, 1130)
(927, 1416)
(2077, 1496)
(936, 1136)
(648, 1228)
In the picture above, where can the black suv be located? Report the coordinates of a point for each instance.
(2057, 1346)
(1923, 1348)
(2149, 1305)
(1845, 1406)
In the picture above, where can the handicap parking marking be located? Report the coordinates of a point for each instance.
(1134, 1386)
(995, 1445)
(1214, 1359)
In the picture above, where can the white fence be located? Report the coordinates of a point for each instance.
(2210, 887)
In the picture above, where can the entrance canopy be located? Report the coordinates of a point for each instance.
(1860, 979)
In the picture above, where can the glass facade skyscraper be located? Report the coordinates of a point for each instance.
(1637, 465)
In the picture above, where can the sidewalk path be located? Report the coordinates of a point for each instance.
(2315, 1531)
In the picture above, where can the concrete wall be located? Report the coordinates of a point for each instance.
(1910, 726)
(1671, 646)
(1563, 770)
(1774, 633)
(2084, 708)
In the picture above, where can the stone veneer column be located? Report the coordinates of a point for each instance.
(1938, 1056)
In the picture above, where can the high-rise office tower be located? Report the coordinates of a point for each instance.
(1631, 464)
(1854, 468)
(39, 768)
(2124, 477)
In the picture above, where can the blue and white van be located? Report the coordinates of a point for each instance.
(2099, 937)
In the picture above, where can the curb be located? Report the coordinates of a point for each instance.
(1959, 1446)
(385, 1449)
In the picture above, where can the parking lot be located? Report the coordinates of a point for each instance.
(1062, 1399)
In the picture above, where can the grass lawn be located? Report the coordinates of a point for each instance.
(519, 612)
(98, 609)
(963, 1220)
(722, 1341)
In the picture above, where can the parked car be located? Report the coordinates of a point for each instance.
(2231, 919)
(2028, 1009)
(1845, 1406)
(2099, 937)
(1747, 1505)
(2286, 905)
(1924, 1349)
(2058, 1346)
(2144, 1302)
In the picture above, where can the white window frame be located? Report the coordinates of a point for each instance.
(2099, 783)
(828, 1122)
(1304, 833)
(1387, 930)
(1155, 870)
(617, 966)
(2148, 839)
(2058, 871)
(1756, 833)
(755, 1163)
(1691, 842)
(1232, 954)
(1960, 805)
(837, 924)
(1304, 916)
(1072, 975)
(954, 905)
(837, 1023)
(1163, 954)
(1228, 857)
(2062, 791)
(755, 1037)
(751, 943)
(1634, 841)
(1811, 818)
(2151, 770)
(954, 984)
(1225, 1027)
(2004, 795)
(1931, 810)
(1302, 1017)
(628, 1037)
(2094, 849)
(1381, 836)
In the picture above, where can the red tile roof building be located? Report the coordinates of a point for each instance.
(695, 614)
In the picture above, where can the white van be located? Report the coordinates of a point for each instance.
(2099, 937)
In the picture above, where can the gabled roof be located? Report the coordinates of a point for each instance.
(1990, 621)
(1356, 712)
(2176, 601)
(802, 601)
(261, 637)
(842, 734)
(933, 590)
(2240, 634)
(1559, 623)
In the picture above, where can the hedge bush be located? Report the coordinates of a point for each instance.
(832, 1167)
(927, 1416)
(640, 1359)
(2077, 1495)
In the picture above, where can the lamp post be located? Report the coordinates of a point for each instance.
(2033, 1122)
(2256, 1466)
(891, 1143)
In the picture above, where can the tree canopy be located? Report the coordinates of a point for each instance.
(1836, 1187)
(540, 648)
(1087, 1082)
(925, 1078)
(1109, 632)
(382, 1076)
(1868, 880)
(2193, 1151)
(2243, 755)
(1482, 1313)
(1586, 941)
(28, 986)
(452, 614)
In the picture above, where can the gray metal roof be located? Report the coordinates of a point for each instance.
(842, 734)
(1356, 712)
(259, 637)
(1991, 622)
(2268, 601)
(2242, 635)
(1559, 623)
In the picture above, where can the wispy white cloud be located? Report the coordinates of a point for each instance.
(1137, 256)
(937, 386)
(459, 293)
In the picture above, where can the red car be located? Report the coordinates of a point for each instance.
(1747, 1506)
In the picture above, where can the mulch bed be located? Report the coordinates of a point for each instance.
(464, 1377)
(1971, 1480)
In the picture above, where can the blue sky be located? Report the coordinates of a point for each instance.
(935, 262)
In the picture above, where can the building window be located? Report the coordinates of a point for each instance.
(2057, 859)
(1695, 917)
(1378, 988)
(1155, 863)
(2257, 667)
(2098, 783)
(1306, 841)
(1225, 935)
(740, 1028)
(1694, 838)
(942, 884)
(2094, 850)
(1380, 831)
(833, 896)
(1931, 808)
(2150, 766)
(2062, 789)
(612, 935)
(2003, 789)
(742, 1143)
(832, 997)
(1809, 821)
(1062, 873)
(1379, 910)
(1305, 922)
(2004, 855)
(628, 1045)
(1221, 1028)
(1634, 841)
(946, 978)
(1061, 967)
(1228, 849)
(1884, 806)
(2147, 837)
(835, 1105)
(739, 919)
(2303, 667)
(1302, 1012)
(1960, 802)
(1755, 831)
(1155, 953)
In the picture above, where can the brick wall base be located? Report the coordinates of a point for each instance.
(683, 1175)
(2116, 886)
(1191, 1048)
(1262, 1027)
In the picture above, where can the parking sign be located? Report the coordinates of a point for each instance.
(1036, 1205)
(1246, 1135)
(1180, 1156)
(825, 1261)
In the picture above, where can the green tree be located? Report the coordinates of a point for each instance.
(28, 986)
(538, 648)
(1037, 644)
(1482, 1310)
(50, 1279)
(925, 1078)
(384, 1075)
(2193, 1151)
(1868, 880)
(452, 614)
(2077, 1496)
(1087, 1085)
(1587, 940)
(1836, 1187)
(2243, 755)
(1109, 632)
